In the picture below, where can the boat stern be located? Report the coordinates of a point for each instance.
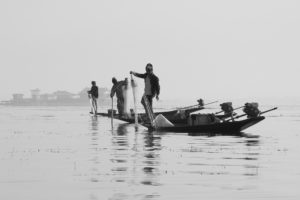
(251, 122)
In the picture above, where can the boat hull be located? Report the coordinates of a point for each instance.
(125, 119)
(174, 116)
(224, 127)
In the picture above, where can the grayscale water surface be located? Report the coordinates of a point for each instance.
(64, 153)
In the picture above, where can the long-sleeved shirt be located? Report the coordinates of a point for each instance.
(118, 89)
(94, 91)
(153, 81)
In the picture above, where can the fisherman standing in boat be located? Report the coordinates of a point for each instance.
(93, 95)
(118, 89)
(152, 87)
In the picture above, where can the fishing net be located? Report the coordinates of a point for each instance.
(126, 92)
(134, 88)
(161, 121)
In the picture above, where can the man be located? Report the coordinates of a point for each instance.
(118, 89)
(152, 87)
(93, 95)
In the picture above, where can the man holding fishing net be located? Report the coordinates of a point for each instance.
(152, 87)
(118, 89)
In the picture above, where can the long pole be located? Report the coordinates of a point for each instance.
(112, 111)
(268, 110)
(133, 85)
(197, 105)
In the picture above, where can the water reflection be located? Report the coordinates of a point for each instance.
(135, 157)
(122, 129)
(230, 154)
(151, 159)
(95, 159)
(235, 134)
(120, 154)
(94, 123)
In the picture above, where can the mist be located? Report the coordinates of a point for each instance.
(213, 49)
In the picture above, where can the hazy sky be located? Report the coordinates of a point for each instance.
(213, 48)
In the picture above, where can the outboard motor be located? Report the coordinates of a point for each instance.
(227, 108)
(200, 102)
(251, 109)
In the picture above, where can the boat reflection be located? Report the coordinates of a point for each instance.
(135, 155)
(236, 134)
(140, 158)
(94, 123)
(151, 159)
(224, 154)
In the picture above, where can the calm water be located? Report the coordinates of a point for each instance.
(64, 153)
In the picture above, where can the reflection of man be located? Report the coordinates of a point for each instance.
(93, 94)
(152, 87)
(118, 88)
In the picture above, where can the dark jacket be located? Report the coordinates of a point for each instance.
(154, 81)
(94, 91)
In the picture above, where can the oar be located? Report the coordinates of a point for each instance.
(268, 110)
(133, 85)
(197, 105)
(112, 111)
(232, 110)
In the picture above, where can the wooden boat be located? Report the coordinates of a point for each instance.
(225, 126)
(174, 116)
(178, 115)
(181, 122)
(221, 127)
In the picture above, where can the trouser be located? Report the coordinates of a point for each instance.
(120, 106)
(94, 105)
(148, 105)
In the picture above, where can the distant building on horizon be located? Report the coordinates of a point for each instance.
(63, 95)
(59, 97)
(18, 97)
(35, 94)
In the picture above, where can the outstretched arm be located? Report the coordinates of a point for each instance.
(138, 75)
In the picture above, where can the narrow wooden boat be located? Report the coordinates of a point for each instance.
(221, 127)
(175, 116)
